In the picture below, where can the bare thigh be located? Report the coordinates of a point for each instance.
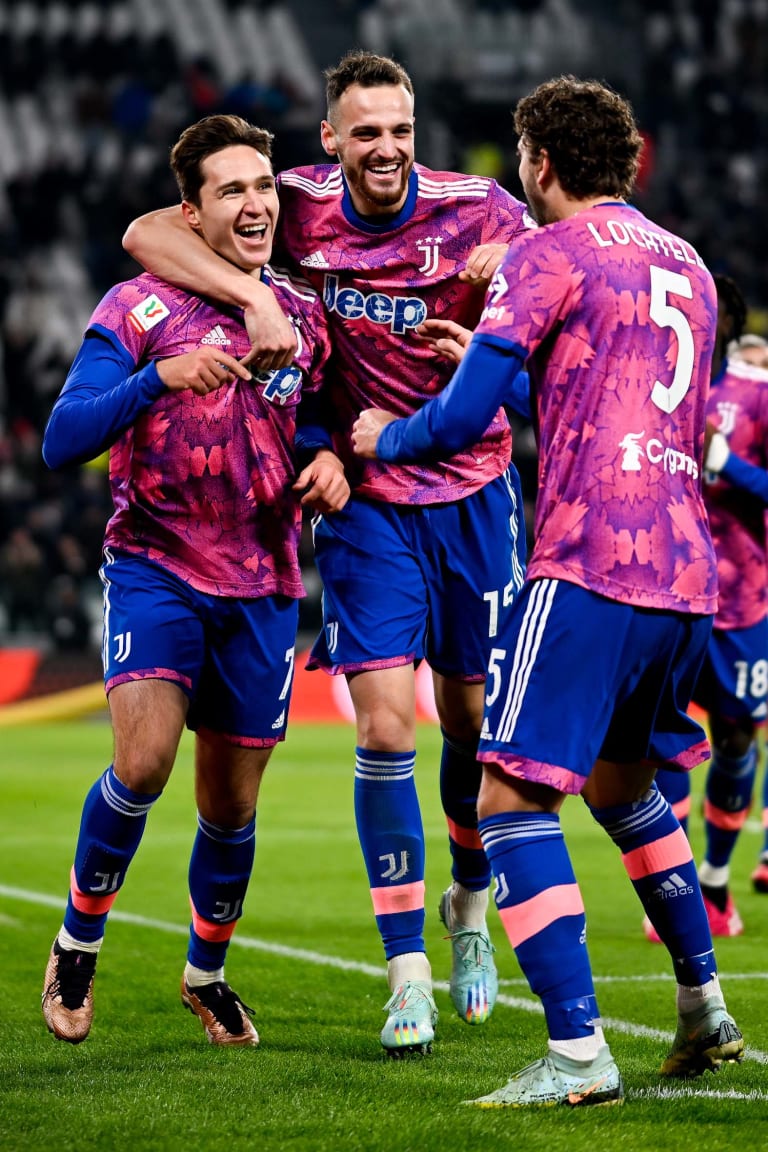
(147, 721)
(227, 779)
(385, 708)
(460, 707)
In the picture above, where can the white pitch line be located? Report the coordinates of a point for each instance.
(310, 957)
(662, 1093)
(641, 978)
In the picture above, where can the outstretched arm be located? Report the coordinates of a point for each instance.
(164, 244)
(452, 421)
(451, 340)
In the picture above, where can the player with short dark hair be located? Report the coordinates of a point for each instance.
(412, 568)
(615, 318)
(201, 575)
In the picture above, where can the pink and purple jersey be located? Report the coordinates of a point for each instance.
(202, 484)
(617, 318)
(738, 407)
(378, 282)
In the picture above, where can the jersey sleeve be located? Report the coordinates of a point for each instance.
(506, 217)
(459, 416)
(101, 397)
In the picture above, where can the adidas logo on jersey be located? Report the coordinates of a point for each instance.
(316, 260)
(216, 336)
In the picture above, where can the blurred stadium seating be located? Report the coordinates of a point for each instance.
(93, 94)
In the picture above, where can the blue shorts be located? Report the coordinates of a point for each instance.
(233, 658)
(734, 677)
(402, 582)
(582, 677)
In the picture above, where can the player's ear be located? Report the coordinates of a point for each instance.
(544, 170)
(328, 138)
(189, 212)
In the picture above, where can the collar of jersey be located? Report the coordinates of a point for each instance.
(368, 223)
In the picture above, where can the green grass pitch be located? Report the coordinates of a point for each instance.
(306, 955)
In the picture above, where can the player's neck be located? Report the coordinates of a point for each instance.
(570, 207)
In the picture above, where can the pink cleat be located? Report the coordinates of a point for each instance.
(650, 932)
(759, 877)
(725, 923)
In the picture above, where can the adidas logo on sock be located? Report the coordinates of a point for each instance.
(316, 260)
(216, 336)
(672, 887)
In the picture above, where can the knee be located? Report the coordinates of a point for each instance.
(463, 730)
(386, 728)
(460, 711)
(501, 793)
(730, 739)
(143, 768)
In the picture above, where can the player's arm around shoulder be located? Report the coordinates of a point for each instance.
(164, 244)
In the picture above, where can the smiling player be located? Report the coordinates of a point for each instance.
(200, 573)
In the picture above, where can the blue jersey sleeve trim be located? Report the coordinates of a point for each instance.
(312, 432)
(101, 397)
(111, 338)
(519, 395)
(459, 416)
(749, 477)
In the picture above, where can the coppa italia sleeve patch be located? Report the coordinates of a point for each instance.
(145, 315)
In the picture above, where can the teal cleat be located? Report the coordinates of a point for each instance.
(557, 1079)
(474, 983)
(705, 1039)
(410, 1026)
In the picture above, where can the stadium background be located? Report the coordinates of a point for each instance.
(93, 94)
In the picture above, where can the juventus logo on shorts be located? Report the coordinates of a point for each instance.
(123, 642)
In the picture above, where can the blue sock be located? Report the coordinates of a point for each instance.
(542, 911)
(675, 787)
(111, 827)
(658, 859)
(460, 775)
(392, 841)
(219, 870)
(730, 782)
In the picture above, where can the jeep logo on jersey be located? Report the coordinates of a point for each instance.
(280, 384)
(399, 312)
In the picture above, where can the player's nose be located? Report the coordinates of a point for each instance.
(388, 146)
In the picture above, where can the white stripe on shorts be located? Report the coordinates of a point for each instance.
(527, 647)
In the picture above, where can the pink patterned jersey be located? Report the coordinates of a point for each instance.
(617, 317)
(202, 484)
(738, 407)
(378, 282)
